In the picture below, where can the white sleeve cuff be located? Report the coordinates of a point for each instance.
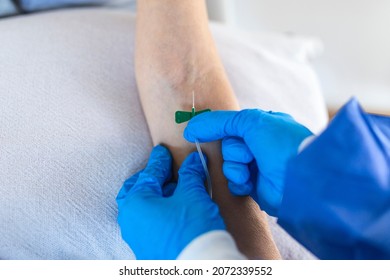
(213, 245)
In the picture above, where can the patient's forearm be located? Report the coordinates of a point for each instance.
(175, 55)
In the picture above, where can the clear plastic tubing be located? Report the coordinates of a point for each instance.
(206, 171)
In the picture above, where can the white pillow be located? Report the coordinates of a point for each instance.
(72, 128)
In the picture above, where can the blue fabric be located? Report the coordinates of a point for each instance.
(337, 191)
(7, 8)
(34, 5)
(158, 218)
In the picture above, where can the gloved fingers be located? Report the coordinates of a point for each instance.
(127, 185)
(244, 188)
(157, 171)
(216, 125)
(280, 114)
(269, 195)
(169, 189)
(235, 149)
(241, 189)
(191, 174)
(236, 172)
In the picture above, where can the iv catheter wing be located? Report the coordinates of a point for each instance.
(182, 116)
(203, 111)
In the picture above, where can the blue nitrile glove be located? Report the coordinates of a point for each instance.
(159, 219)
(256, 146)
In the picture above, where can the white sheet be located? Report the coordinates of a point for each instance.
(72, 129)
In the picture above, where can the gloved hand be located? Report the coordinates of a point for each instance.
(256, 146)
(159, 219)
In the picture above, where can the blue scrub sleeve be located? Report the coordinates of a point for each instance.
(337, 190)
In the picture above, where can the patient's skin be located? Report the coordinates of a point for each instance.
(175, 55)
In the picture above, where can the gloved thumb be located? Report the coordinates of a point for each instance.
(216, 125)
(191, 175)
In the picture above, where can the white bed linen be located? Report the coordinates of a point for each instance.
(72, 128)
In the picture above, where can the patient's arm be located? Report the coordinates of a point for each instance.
(175, 55)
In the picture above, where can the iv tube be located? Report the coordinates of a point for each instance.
(206, 171)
